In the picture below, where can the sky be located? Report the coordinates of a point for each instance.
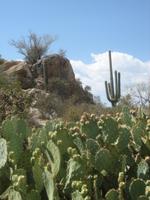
(86, 29)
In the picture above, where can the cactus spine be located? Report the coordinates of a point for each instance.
(113, 92)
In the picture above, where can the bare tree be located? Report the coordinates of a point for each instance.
(34, 47)
(141, 94)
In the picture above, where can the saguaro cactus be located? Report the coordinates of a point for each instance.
(113, 92)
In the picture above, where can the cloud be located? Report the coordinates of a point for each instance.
(133, 71)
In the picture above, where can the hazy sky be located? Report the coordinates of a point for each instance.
(86, 29)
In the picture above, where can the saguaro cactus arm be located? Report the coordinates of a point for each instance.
(113, 93)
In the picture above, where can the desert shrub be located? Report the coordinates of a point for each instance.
(73, 112)
(59, 86)
(50, 104)
(13, 101)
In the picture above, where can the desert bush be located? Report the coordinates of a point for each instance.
(13, 101)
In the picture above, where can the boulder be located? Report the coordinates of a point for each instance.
(32, 75)
(58, 66)
(21, 71)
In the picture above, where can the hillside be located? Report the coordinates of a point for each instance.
(49, 86)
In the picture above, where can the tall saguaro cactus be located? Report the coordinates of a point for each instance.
(113, 91)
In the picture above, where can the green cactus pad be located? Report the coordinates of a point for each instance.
(137, 188)
(123, 139)
(15, 131)
(15, 127)
(37, 175)
(110, 130)
(79, 144)
(14, 195)
(92, 146)
(137, 132)
(11, 194)
(112, 195)
(91, 129)
(8, 129)
(54, 157)
(64, 136)
(103, 160)
(75, 170)
(126, 117)
(38, 138)
(143, 170)
(50, 186)
(3, 152)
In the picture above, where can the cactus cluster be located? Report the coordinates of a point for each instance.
(105, 157)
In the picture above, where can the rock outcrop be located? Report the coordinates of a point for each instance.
(37, 115)
(30, 75)
(59, 66)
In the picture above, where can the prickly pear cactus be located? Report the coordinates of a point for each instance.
(54, 158)
(50, 185)
(143, 170)
(89, 126)
(3, 152)
(110, 130)
(137, 188)
(103, 160)
(112, 195)
(104, 157)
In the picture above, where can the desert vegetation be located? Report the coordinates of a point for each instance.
(59, 142)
